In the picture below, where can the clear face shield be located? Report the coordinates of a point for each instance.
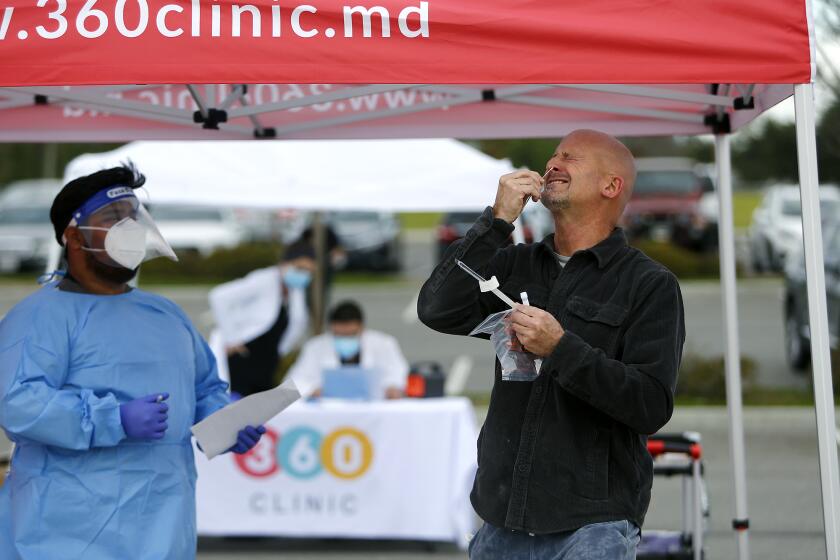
(115, 225)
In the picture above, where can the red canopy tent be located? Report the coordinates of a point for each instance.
(203, 69)
(288, 51)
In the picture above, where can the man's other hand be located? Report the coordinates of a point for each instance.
(537, 330)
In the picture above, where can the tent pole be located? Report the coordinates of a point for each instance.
(731, 342)
(806, 145)
(319, 244)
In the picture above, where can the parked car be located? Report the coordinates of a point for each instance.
(776, 229)
(273, 225)
(797, 330)
(371, 240)
(454, 225)
(198, 229)
(26, 234)
(672, 201)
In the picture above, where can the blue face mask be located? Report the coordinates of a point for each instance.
(297, 278)
(346, 346)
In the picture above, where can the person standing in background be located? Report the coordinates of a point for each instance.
(262, 316)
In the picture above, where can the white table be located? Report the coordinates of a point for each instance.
(391, 470)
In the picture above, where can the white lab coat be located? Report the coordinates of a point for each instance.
(380, 352)
(247, 307)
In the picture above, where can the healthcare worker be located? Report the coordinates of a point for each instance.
(261, 318)
(99, 386)
(350, 343)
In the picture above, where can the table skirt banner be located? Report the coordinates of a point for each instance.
(389, 470)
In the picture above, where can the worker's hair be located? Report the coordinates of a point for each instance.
(126, 174)
(78, 191)
(346, 311)
(297, 250)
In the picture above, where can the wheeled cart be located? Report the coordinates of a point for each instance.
(679, 454)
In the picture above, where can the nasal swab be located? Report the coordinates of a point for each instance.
(542, 189)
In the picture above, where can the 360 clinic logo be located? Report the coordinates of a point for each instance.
(302, 452)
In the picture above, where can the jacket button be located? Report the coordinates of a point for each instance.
(538, 389)
(523, 468)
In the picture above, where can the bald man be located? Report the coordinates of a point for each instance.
(563, 468)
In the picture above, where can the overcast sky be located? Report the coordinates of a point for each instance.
(784, 111)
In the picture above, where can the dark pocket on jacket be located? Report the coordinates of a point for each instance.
(598, 324)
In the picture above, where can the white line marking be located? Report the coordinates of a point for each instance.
(458, 375)
(409, 314)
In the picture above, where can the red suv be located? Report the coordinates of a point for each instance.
(672, 202)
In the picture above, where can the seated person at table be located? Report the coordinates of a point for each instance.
(349, 343)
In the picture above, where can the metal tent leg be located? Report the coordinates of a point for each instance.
(731, 342)
(806, 145)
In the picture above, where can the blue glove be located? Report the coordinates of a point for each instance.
(145, 418)
(247, 438)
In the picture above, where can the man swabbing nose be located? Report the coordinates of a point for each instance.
(563, 468)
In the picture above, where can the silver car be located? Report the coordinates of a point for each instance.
(197, 229)
(371, 239)
(26, 234)
(776, 230)
(797, 328)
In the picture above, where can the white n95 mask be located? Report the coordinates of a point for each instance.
(125, 242)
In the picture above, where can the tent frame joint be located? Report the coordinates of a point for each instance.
(488, 95)
(265, 133)
(212, 120)
(740, 524)
(720, 124)
(41, 99)
(744, 103)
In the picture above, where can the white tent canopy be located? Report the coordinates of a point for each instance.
(394, 175)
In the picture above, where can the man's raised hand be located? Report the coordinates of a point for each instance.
(513, 193)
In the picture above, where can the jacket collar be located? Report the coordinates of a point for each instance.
(603, 252)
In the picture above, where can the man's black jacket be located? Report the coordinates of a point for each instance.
(569, 448)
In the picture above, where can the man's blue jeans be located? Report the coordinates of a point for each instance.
(613, 540)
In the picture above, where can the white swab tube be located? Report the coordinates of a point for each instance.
(491, 285)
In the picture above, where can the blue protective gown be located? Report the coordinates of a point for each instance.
(77, 487)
